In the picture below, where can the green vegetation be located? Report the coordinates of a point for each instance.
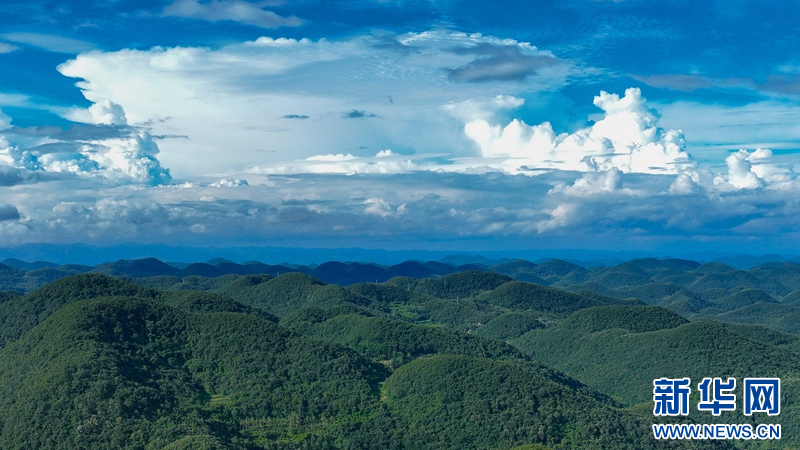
(385, 339)
(21, 314)
(288, 292)
(456, 402)
(213, 355)
(509, 326)
(9, 295)
(131, 373)
(527, 296)
(459, 285)
(621, 352)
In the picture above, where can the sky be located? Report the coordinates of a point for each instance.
(630, 125)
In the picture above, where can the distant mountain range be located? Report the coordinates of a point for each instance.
(92, 255)
(767, 294)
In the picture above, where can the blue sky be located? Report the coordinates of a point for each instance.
(423, 124)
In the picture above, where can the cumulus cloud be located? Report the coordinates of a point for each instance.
(752, 170)
(15, 157)
(128, 159)
(109, 150)
(685, 184)
(626, 138)
(380, 207)
(107, 113)
(740, 174)
(229, 182)
(101, 112)
(133, 157)
(225, 100)
(592, 183)
(560, 217)
(232, 10)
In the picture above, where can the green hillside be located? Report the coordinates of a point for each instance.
(621, 350)
(745, 297)
(204, 302)
(188, 356)
(130, 373)
(519, 270)
(144, 369)
(382, 338)
(23, 313)
(460, 285)
(739, 278)
(527, 296)
(556, 270)
(787, 274)
(287, 293)
(509, 326)
(10, 277)
(773, 315)
(457, 402)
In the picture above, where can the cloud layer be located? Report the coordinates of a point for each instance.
(604, 210)
(387, 140)
(238, 97)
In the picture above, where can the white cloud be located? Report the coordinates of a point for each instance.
(132, 156)
(382, 208)
(684, 184)
(331, 158)
(560, 217)
(623, 176)
(592, 183)
(229, 182)
(15, 157)
(233, 10)
(626, 138)
(384, 162)
(231, 102)
(104, 112)
(125, 155)
(107, 113)
(49, 42)
(7, 48)
(751, 170)
(776, 175)
(452, 210)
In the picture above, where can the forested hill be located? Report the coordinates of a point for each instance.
(147, 355)
(767, 294)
